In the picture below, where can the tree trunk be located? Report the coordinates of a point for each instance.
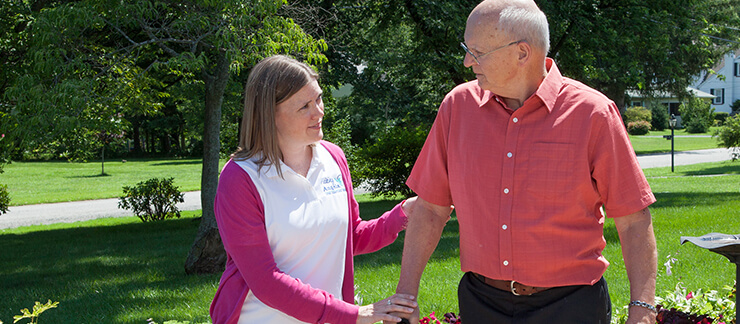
(207, 255)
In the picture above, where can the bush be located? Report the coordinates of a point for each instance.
(637, 113)
(697, 115)
(720, 117)
(660, 117)
(640, 127)
(729, 135)
(154, 199)
(735, 107)
(386, 164)
(4, 199)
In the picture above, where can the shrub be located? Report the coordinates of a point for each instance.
(735, 107)
(729, 135)
(720, 117)
(386, 164)
(696, 115)
(640, 127)
(660, 117)
(4, 199)
(637, 113)
(154, 199)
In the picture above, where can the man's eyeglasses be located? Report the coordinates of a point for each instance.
(476, 57)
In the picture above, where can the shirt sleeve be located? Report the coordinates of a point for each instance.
(616, 172)
(240, 217)
(429, 178)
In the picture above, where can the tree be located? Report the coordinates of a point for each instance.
(99, 58)
(729, 136)
(697, 115)
(645, 45)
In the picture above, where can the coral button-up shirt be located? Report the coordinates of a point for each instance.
(529, 185)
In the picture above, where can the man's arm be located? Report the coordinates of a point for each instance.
(641, 261)
(425, 224)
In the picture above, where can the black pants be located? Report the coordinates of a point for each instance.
(483, 304)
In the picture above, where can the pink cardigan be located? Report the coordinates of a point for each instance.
(251, 266)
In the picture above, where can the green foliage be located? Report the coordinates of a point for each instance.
(154, 199)
(637, 113)
(640, 127)
(4, 199)
(697, 115)
(339, 134)
(38, 308)
(735, 107)
(720, 117)
(660, 118)
(386, 164)
(716, 304)
(653, 45)
(729, 136)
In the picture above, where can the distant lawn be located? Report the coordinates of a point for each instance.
(120, 270)
(47, 182)
(654, 142)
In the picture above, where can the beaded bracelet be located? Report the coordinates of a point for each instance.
(643, 304)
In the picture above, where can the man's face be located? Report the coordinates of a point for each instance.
(494, 67)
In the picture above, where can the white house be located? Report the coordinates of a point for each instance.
(666, 99)
(724, 84)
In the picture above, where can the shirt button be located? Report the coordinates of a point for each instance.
(506, 262)
(506, 190)
(504, 226)
(516, 120)
(509, 154)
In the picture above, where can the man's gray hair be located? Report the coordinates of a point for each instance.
(529, 24)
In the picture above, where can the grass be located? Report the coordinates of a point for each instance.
(655, 143)
(47, 182)
(120, 270)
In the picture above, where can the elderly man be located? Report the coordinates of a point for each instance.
(532, 162)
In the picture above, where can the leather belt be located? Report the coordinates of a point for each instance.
(514, 287)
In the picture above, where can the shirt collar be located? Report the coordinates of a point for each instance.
(550, 87)
(547, 91)
(271, 172)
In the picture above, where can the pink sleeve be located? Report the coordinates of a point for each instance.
(240, 217)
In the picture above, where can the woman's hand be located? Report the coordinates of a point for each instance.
(380, 311)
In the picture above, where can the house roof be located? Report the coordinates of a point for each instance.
(663, 94)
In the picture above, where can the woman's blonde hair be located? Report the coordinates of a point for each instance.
(272, 81)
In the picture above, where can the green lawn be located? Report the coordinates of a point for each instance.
(123, 271)
(655, 143)
(46, 182)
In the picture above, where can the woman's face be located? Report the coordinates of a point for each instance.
(298, 118)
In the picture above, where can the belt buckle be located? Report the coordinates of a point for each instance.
(513, 289)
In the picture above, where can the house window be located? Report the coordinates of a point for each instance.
(737, 69)
(637, 104)
(719, 96)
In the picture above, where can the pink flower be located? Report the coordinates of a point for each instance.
(689, 296)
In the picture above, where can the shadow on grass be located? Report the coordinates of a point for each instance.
(721, 170)
(89, 176)
(689, 199)
(102, 274)
(179, 162)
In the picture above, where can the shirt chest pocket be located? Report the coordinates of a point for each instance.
(550, 173)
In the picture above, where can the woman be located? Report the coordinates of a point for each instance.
(287, 215)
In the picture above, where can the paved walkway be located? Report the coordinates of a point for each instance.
(68, 212)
